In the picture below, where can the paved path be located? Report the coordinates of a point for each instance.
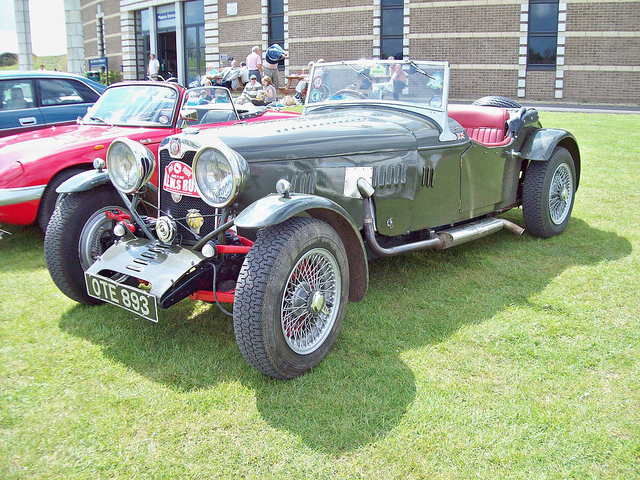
(584, 108)
(562, 107)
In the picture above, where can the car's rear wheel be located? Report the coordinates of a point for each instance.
(291, 297)
(548, 194)
(497, 101)
(77, 234)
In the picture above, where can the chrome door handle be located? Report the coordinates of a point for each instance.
(28, 121)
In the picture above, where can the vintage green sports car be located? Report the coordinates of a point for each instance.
(281, 217)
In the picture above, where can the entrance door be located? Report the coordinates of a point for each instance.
(167, 54)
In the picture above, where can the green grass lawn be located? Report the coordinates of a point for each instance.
(503, 358)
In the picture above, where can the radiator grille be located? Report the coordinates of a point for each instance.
(178, 210)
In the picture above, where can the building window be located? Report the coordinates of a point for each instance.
(391, 28)
(543, 34)
(143, 48)
(194, 40)
(276, 24)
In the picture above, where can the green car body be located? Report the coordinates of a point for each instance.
(359, 175)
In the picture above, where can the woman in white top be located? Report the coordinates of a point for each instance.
(268, 95)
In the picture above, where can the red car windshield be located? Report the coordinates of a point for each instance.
(144, 105)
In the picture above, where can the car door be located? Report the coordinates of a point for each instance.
(18, 107)
(63, 100)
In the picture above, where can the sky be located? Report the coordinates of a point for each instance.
(48, 31)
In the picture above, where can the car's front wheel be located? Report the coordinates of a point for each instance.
(548, 194)
(49, 196)
(291, 297)
(77, 234)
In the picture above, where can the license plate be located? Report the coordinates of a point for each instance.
(131, 299)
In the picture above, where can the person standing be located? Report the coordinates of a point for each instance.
(154, 67)
(272, 58)
(254, 63)
(398, 78)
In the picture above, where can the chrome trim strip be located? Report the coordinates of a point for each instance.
(11, 196)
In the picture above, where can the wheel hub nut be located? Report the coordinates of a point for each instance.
(317, 302)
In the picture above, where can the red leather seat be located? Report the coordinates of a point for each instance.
(485, 125)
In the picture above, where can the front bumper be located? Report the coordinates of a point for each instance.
(171, 271)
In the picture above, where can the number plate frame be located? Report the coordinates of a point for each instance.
(112, 292)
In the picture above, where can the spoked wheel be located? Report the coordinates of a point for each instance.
(308, 309)
(291, 297)
(77, 234)
(497, 101)
(548, 194)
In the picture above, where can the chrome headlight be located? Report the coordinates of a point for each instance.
(129, 164)
(220, 174)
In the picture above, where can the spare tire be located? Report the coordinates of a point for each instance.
(497, 101)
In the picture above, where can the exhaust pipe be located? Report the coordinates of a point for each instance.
(445, 239)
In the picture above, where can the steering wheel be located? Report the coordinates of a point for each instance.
(348, 91)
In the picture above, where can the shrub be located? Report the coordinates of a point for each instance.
(114, 77)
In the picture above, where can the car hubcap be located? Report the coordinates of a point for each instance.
(96, 237)
(560, 194)
(310, 302)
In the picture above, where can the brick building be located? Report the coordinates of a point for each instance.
(532, 50)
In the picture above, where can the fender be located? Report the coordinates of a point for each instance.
(274, 209)
(90, 179)
(540, 146)
(84, 181)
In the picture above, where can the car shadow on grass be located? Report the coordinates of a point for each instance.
(362, 390)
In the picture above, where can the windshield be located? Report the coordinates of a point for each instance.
(415, 82)
(205, 105)
(144, 105)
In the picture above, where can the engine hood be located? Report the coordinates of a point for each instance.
(312, 136)
(31, 146)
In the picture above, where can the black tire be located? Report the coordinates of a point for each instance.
(548, 194)
(49, 196)
(284, 324)
(497, 101)
(77, 234)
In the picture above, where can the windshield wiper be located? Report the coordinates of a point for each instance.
(359, 72)
(99, 120)
(421, 71)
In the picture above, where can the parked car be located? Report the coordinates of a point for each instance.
(34, 164)
(33, 100)
(280, 218)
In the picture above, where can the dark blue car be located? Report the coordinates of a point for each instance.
(31, 100)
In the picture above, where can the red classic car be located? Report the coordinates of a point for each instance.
(34, 164)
